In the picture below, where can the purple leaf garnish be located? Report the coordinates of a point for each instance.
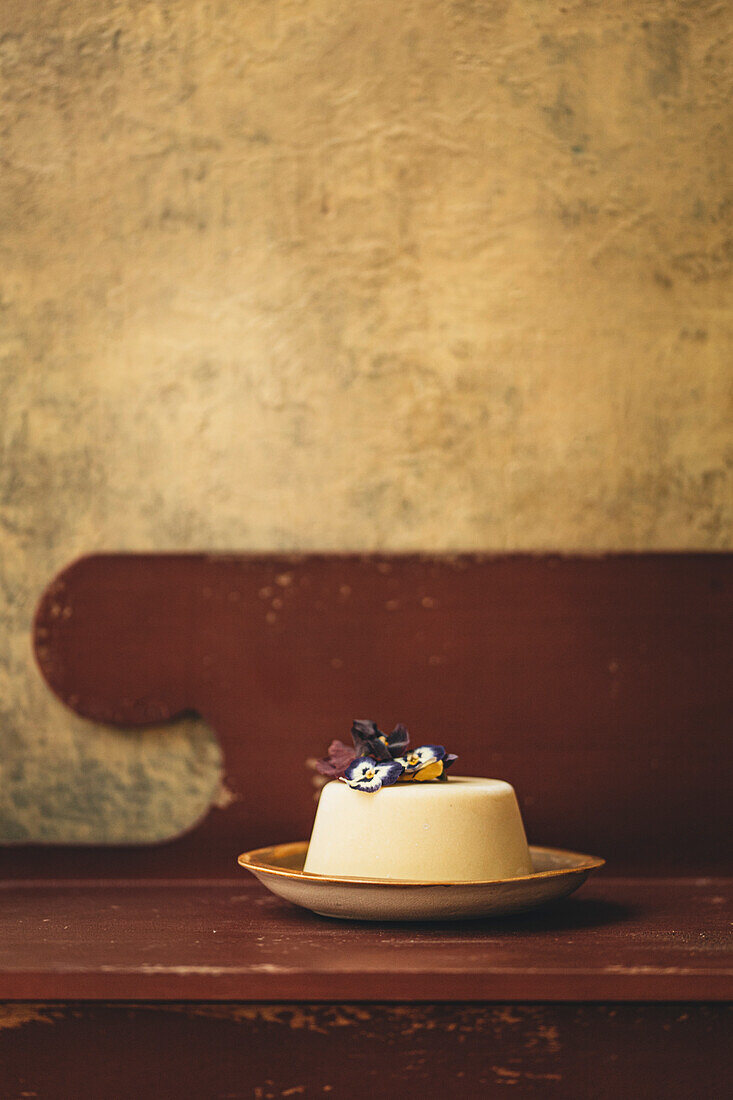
(338, 759)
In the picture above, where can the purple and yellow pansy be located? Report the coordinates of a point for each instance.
(426, 762)
(367, 774)
(370, 741)
(379, 760)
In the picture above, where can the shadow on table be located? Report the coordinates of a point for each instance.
(566, 915)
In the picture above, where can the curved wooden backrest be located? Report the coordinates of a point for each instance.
(599, 686)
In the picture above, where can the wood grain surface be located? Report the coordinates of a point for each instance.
(617, 940)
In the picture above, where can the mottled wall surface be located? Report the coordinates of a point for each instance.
(280, 274)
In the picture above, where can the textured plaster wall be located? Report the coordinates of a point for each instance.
(434, 274)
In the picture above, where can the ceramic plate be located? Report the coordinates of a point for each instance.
(556, 874)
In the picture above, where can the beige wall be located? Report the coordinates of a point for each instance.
(342, 274)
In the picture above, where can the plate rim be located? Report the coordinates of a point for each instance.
(250, 862)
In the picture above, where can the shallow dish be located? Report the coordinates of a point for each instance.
(556, 874)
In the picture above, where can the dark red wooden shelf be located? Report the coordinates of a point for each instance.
(617, 940)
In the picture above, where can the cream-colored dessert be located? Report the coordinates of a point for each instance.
(461, 830)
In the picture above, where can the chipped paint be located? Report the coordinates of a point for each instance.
(225, 797)
(318, 1018)
(408, 1021)
(272, 1051)
(14, 1016)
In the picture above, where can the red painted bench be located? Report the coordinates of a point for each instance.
(599, 686)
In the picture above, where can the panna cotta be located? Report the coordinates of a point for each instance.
(463, 830)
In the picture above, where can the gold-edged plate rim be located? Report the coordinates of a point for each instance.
(255, 861)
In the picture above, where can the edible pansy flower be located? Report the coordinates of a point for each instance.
(368, 774)
(421, 764)
(370, 741)
(426, 762)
